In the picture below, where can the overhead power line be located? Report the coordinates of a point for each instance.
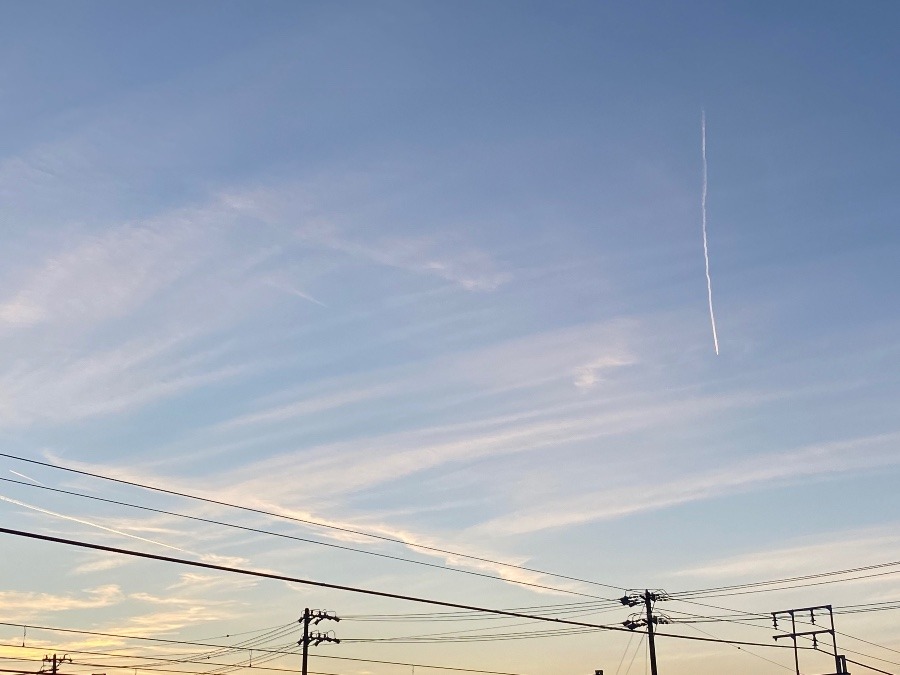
(754, 616)
(744, 651)
(306, 540)
(200, 659)
(560, 608)
(758, 586)
(170, 670)
(305, 521)
(877, 670)
(350, 589)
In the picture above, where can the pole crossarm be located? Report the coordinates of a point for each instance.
(840, 662)
(314, 617)
(647, 598)
(801, 634)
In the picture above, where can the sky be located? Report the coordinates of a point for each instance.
(430, 277)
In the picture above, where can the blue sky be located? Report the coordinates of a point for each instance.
(434, 271)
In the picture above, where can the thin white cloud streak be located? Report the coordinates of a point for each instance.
(143, 525)
(465, 266)
(712, 316)
(821, 461)
(136, 290)
(104, 276)
(736, 477)
(842, 550)
(19, 605)
(143, 278)
(425, 544)
(82, 521)
(28, 478)
(413, 541)
(196, 582)
(545, 373)
(470, 269)
(301, 408)
(157, 623)
(103, 564)
(285, 288)
(394, 456)
(106, 381)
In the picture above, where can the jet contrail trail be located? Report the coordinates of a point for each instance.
(22, 475)
(712, 316)
(10, 500)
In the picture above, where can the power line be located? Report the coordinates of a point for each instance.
(636, 649)
(624, 653)
(877, 670)
(722, 591)
(152, 661)
(460, 636)
(303, 520)
(471, 634)
(752, 615)
(560, 608)
(282, 535)
(744, 651)
(340, 587)
(199, 659)
(873, 644)
(858, 653)
(170, 670)
(281, 577)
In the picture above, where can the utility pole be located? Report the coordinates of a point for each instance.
(648, 603)
(647, 598)
(314, 616)
(840, 661)
(55, 662)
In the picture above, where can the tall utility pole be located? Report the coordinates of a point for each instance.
(648, 604)
(314, 616)
(648, 620)
(840, 661)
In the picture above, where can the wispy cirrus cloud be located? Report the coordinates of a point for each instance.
(110, 320)
(95, 276)
(100, 564)
(66, 387)
(160, 623)
(327, 224)
(17, 606)
(469, 268)
(839, 550)
(741, 475)
(196, 582)
(300, 408)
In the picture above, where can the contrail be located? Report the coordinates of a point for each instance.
(293, 291)
(10, 500)
(712, 316)
(22, 475)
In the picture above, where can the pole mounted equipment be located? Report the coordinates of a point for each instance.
(55, 663)
(315, 617)
(647, 598)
